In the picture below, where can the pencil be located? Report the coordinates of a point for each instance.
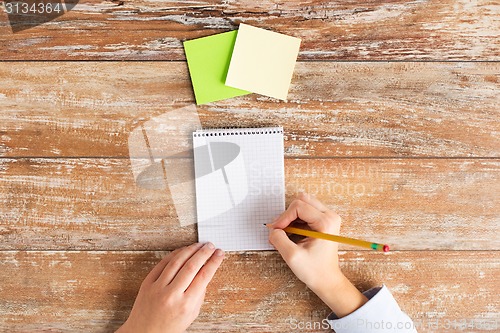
(335, 238)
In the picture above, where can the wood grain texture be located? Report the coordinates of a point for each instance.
(334, 30)
(93, 291)
(94, 204)
(392, 120)
(61, 109)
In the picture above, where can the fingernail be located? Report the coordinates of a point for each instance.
(219, 253)
(210, 246)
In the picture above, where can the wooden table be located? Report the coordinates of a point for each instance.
(392, 120)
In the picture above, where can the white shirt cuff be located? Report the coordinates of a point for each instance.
(380, 314)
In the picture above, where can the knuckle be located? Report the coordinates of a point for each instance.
(333, 217)
(169, 302)
(325, 219)
(296, 204)
(331, 224)
(177, 262)
(293, 259)
(191, 267)
(203, 274)
(302, 196)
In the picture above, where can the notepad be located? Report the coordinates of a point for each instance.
(239, 185)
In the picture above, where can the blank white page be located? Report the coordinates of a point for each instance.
(240, 185)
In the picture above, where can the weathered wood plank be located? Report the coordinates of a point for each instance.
(94, 291)
(95, 204)
(334, 109)
(337, 30)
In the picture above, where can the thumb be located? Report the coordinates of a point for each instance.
(282, 243)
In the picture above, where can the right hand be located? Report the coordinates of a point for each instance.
(315, 261)
(312, 260)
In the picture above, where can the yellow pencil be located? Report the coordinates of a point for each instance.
(335, 238)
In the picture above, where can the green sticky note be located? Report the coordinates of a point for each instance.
(208, 60)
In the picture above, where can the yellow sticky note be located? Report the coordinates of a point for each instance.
(263, 61)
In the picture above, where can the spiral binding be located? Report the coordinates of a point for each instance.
(236, 131)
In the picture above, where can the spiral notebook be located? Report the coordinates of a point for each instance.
(239, 185)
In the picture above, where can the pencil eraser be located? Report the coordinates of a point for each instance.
(386, 248)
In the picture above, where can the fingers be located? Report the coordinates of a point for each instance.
(206, 273)
(299, 209)
(159, 267)
(192, 266)
(311, 211)
(311, 199)
(283, 244)
(176, 262)
(332, 219)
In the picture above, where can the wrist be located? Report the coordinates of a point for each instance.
(329, 282)
(341, 296)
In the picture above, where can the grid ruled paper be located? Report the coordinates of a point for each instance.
(239, 185)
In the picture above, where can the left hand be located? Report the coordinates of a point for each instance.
(171, 296)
